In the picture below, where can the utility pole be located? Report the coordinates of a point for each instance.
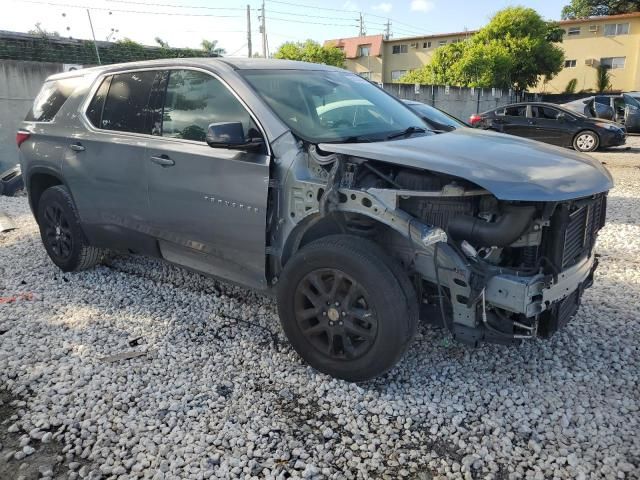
(361, 33)
(263, 30)
(95, 44)
(249, 31)
(387, 30)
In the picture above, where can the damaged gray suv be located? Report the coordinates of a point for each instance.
(310, 182)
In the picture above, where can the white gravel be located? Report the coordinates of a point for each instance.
(220, 393)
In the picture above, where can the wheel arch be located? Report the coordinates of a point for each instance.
(38, 180)
(316, 226)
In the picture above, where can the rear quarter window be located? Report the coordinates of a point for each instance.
(52, 96)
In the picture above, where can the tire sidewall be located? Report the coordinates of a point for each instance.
(587, 132)
(60, 197)
(383, 292)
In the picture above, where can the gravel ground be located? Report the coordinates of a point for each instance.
(217, 392)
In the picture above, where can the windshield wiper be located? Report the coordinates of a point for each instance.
(406, 132)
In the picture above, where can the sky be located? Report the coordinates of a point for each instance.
(185, 23)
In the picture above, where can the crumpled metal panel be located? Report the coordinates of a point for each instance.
(509, 167)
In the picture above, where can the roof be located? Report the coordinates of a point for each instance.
(433, 35)
(218, 62)
(350, 45)
(601, 18)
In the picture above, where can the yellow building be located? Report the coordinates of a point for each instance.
(613, 41)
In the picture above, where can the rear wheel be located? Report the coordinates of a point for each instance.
(586, 141)
(347, 308)
(61, 232)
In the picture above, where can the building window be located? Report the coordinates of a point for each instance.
(397, 74)
(573, 31)
(364, 50)
(613, 62)
(611, 29)
(404, 48)
(442, 43)
(569, 64)
(426, 45)
(366, 75)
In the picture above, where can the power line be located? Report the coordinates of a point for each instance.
(309, 23)
(302, 5)
(148, 12)
(173, 5)
(305, 15)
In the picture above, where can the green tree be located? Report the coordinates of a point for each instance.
(514, 50)
(603, 79)
(571, 86)
(596, 8)
(43, 32)
(311, 51)
(161, 42)
(211, 47)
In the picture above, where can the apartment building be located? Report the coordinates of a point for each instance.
(613, 41)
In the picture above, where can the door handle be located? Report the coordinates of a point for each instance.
(163, 161)
(77, 147)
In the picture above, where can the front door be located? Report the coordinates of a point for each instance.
(515, 121)
(548, 128)
(208, 205)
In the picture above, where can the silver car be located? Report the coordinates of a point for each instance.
(311, 183)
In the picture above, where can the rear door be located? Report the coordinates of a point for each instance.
(208, 204)
(106, 164)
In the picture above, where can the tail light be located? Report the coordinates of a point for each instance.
(22, 136)
(475, 119)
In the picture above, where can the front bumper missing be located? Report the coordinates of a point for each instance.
(533, 295)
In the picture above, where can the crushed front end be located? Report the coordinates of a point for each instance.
(486, 269)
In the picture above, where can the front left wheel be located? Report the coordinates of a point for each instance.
(61, 232)
(347, 308)
(586, 141)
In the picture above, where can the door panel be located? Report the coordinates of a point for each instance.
(208, 204)
(515, 122)
(548, 128)
(106, 165)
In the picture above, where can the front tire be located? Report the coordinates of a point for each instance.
(61, 232)
(347, 308)
(586, 141)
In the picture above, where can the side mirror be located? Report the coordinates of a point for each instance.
(231, 135)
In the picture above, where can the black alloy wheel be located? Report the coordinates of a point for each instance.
(57, 232)
(334, 314)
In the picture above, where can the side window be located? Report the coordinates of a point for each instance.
(548, 113)
(194, 100)
(94, 112)
(125, 109)
(52, 96)
(518, 111)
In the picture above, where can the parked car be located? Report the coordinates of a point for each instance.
(438, 120)
(550, 123)
(227, 167)
(624, 109)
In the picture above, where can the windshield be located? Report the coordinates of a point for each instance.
(434, 115)
(325, 106)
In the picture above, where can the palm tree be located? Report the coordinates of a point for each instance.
(603, 78)
(209, 46)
